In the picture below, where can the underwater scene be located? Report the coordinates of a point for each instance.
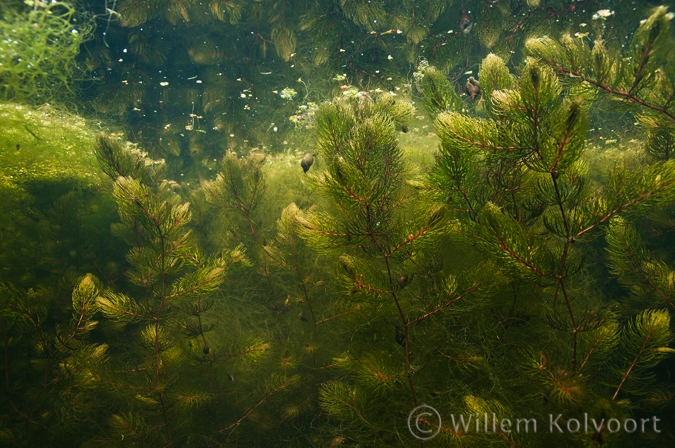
(337, 223)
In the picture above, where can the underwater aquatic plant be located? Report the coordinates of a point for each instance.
(38, 49)
(381, 241)
(518, 182)
(133, 13)
(640, 78)
(177, 283)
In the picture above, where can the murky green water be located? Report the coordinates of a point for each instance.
(336, 223)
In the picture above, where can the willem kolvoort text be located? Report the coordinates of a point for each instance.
(556, 423)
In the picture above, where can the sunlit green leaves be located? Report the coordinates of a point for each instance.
(650, 47)
(200, 282)
(358, 140)
(120, 307)
(239, 186)
(116, 161)
(644, 343)
(156, 337)
(494, 75)
(84, 294)
(377, 374)
(521, 254)
(333, 124)
(539, 92)
(635, 77)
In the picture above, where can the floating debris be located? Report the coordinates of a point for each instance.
(288, 93)
(603, 14)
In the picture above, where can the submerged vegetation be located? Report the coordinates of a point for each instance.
(250, 237)
(39, 43)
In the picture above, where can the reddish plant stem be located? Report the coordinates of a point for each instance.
(559, 202)
(404, 320)
(257, 405)
(442, 307)
(627, 95)
(561, 271)
(633, 364)
(590, 352)
(621, 207)
(326, 319)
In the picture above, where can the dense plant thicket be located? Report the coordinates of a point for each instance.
(523, 274)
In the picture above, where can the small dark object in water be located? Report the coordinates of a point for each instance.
(400, 336)
(465, 22)
(206, 350)
(302, 317)
(472, 87)
(18, 146)
(307, 161)
(403, 281)
(404, 129)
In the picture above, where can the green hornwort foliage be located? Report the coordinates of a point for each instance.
(389, 266)
(174, 278)
(516, 276)
(519, 184)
